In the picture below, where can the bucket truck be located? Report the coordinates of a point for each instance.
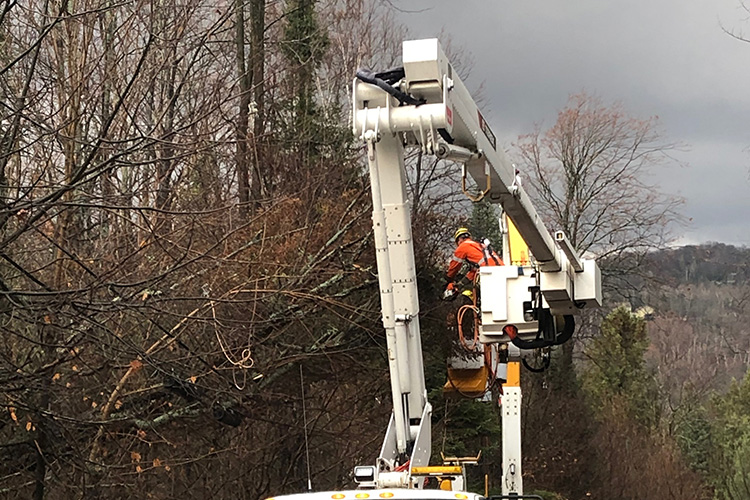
(525, 305)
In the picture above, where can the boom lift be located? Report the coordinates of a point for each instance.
(527, 306)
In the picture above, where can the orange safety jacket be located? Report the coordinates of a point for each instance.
(476, 255)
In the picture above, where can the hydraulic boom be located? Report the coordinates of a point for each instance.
(428, 106)
(528, 305)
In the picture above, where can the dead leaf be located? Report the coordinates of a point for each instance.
(13, 415)
(56, 376)
(138, 469)
(167, 468)
(136, 365)
(118, 404)
(157, 462)
(135, 456)
(193, 379)
(94, 404)
(28, 426)
(141, 434)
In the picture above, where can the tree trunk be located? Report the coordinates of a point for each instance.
(241, 154)
(257, 65)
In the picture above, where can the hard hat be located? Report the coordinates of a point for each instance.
(460, 232)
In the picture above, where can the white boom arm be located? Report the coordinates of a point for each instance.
(428, 106)
(408, 436)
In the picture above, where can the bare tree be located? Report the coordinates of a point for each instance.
(590, 177)
(738, 34)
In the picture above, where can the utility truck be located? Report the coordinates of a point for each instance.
(527, 304)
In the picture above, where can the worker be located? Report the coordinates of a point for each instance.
(469, 252)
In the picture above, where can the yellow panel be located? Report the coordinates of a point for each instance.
(514, 374)
(470, 383)
(517, 248)
(437, 469)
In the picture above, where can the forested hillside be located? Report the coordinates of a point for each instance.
(698, 298)
(188, 292)
(700, 350)
(662, 388)
(184, 249)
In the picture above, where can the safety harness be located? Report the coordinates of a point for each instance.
(488, 255)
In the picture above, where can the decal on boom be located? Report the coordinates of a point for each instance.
(487, 131)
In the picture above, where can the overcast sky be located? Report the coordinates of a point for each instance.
(668, 58)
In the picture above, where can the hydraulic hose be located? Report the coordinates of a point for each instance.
(368, 76)
(539, 343)
(568, 329)
(535, 369)
(512, 332)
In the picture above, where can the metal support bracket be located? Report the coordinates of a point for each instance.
(488, 182)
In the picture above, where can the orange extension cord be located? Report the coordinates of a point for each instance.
(474, 308)
(460, 317)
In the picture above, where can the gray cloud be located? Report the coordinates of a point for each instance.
(669, 58)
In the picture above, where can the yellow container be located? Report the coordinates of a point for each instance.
(470, 383)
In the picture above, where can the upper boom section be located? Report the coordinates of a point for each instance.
(450, 125)
(428, 105)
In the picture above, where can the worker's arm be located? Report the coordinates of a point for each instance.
(454, 267)
(459, 258)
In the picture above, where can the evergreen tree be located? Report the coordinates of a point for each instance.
(730, 429)
(617, 372)
(693, 434)
(484, 223)
(304, 45)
